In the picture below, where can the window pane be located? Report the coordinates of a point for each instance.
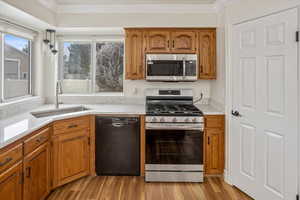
(16, 66)
(109, 67)
(76, 70)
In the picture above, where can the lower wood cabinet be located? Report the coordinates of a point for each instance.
(11, 183)
(70, 156)
(37, 173)
(214, 144)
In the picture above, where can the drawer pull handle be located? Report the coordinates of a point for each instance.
(72, 126)
(40, 139)
(7, 160)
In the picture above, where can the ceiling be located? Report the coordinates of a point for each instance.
(122, 2)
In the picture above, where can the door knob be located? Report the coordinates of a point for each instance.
(236, 113)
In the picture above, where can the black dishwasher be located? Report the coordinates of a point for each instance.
(118, 146)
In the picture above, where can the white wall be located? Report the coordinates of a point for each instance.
(137, 20)
(218, 85)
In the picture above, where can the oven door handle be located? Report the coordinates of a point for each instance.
(158, 126)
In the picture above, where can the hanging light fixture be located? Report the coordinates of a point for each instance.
(50, 39)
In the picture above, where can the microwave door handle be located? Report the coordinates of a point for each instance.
(184, 62)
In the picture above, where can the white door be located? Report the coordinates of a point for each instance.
(264, 136)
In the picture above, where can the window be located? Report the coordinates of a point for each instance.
(76, 74)
(91, 67)
(16, 69)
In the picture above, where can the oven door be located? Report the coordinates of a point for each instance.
(175, 149)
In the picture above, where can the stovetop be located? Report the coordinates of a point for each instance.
(158, 109)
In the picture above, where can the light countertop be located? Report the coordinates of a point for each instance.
(18, 126)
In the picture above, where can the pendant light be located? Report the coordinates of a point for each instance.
(50, 40)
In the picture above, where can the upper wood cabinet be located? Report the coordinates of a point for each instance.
(37, 173)
(134, 52)
(70, 156)
(11, 183)
(207, 54)
(158, 41)
(142, 41)
(184, 42)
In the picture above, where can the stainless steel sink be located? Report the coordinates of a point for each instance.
(61, 111)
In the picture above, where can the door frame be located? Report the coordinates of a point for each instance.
(229, 44)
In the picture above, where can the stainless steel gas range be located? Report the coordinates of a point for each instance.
(174, 137)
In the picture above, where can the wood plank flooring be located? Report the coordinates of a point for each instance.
(134, 188)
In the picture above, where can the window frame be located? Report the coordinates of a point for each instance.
(2, 58)
(93, 41)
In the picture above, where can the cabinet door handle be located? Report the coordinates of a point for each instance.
(28, 172)
(201, 68)
(72, 126)
(7, 160)
(168, 43)
(173, 43)
(208, 140)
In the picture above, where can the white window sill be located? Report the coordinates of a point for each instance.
(18, 100)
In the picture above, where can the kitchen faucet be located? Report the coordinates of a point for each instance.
(57, 93)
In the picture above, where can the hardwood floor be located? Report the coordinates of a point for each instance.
(134, 188)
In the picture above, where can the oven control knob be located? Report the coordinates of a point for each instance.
(162, 120)
(186, 120)
(174, 119)
(154, 119)
(194, 119)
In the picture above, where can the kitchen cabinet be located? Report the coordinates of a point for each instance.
(70, 156)
(214, 144)
(142, 41)
(207, 54)
(11, 183)
(158, 41)
(37, 173)
(134, 47)
(184, 42)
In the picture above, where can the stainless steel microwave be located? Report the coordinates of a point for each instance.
(171, 67)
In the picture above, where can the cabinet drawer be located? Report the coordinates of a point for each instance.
(36, 140)
(73, 124)
(214, 121)
(8, 158)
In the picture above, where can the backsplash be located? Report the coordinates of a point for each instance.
(134, 93)
(20, 106)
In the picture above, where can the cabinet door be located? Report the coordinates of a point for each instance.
(214, 151)
(37, 173)
(158, 41)
(70, 157)
(184, 42)
(11, 183)
(207, 54)
(134, 52)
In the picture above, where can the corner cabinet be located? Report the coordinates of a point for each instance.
(71, 157)
(134, 52)
(207, 54)
(214, 144)
(142, 41)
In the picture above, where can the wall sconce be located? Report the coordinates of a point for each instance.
(50, 39)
